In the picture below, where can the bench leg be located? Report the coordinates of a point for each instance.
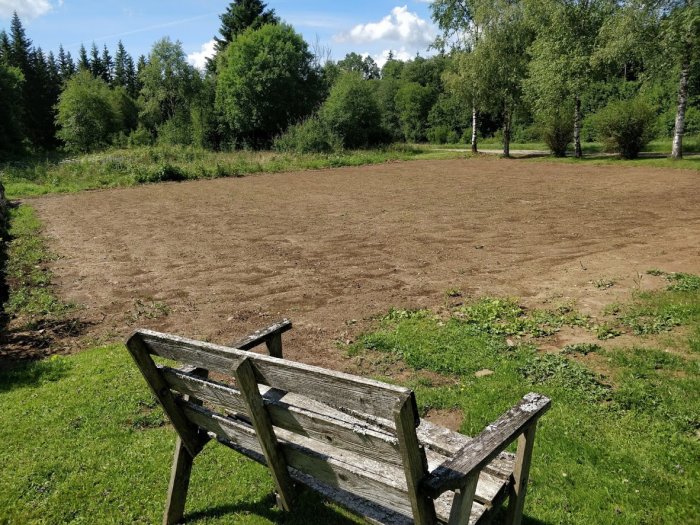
(521, 474)
(179, 483)
(463, 501)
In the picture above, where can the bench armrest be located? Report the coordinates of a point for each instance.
(476, 454)
(263, 335)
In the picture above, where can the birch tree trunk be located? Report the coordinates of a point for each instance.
(677, 151)
(475, 123)
(578, 153)
(506, 132)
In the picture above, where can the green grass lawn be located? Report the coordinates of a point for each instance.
(621, 444)
(84, 441)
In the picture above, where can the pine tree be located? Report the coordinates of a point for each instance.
(131, 79)
(140, 66)
(239, 16)
(5, 47)
(66, 68)
(120, 73)
(107, 65)
(83, 61)
(96, 67)
(20, 45)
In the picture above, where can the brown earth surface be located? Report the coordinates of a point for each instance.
(330, 249)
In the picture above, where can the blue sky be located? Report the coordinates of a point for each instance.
(371, 27)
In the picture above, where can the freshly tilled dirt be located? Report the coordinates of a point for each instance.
(332, 248)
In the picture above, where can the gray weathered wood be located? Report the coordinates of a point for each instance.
(356, 441)
(265, 335)
(274, 346)
(483, 448)
(376, 482)
(245, 375)
(415, 462)
(188, 432)
(180, 472)
(297, 414)
(333, 388)
(179, 484)
(521, 474)
(462, 502)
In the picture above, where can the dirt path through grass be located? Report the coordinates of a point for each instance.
(213, 259)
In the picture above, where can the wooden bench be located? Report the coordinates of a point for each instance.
(358, 442)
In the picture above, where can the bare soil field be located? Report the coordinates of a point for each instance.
(330, 249)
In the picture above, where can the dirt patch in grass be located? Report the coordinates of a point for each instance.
(330, 249)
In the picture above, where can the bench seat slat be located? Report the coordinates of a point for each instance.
(296, 414)
(333, 388)
(379, 484)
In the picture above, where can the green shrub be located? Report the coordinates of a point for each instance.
(161, 173)
(438, 135)
(309, 136)
(351, 112)
(557, 131)
(625, 126)
(140, 137)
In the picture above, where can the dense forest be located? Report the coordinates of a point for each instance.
(558, 71)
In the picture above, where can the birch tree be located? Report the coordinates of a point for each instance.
(561, 66)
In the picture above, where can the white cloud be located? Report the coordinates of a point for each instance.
(199, 58)
(25, 8)
(400, 26)
(399, 54)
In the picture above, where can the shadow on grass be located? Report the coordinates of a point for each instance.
(32, 373)
(308, 508)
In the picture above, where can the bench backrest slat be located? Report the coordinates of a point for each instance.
(336, 389)
(296, 414)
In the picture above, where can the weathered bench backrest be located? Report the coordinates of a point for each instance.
(316, 414)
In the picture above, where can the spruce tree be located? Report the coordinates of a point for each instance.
(66, 68)
(239, 16)
(83, 60)
(5, 47)
(20, 45)
(131, 78)
(107, 65)
(120, 67)
(96, 62)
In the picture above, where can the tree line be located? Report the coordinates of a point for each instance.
(561, 71)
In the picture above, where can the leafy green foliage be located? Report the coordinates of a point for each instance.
(266, 81)
(241, 15)
(557, 130)
(86, 113)
(625, 126)
(559, 371)
(413, 103)
(309, 136)
(168, 83)
(683, 282)
(11, 135)
(351, 112)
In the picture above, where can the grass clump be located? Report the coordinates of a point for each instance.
(683, 282)
(28, 278)
(581, 348)
(507, 317)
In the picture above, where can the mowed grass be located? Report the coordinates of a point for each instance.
(129, 167)
(85, 442)
(621, 443)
